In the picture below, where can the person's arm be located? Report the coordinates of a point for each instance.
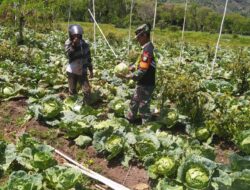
(68, 48)
(90, 66)
(72, 49)
(144, 65)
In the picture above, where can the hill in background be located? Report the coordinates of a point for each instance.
(238, 6)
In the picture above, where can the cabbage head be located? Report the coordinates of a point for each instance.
(197, 177)
(195, 172)
(8, 91)
(121, 69)
(165, 166)
(51, 107)
(146, 144)
(170, 118)
(114, 145)
(202, 133)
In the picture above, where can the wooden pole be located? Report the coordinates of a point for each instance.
(130, 23)
(102, 33)
(94, 26)
(154, 20)
(90, 173)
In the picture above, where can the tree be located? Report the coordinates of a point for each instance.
(202, 15)
(212, 22)
(192, 19)
(27, 13)
(145, 11)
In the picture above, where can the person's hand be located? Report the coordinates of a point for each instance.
(131, 68)
(75, 42)
(129, 76)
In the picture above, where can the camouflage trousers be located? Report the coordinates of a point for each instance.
(74, 79)
(141, 102)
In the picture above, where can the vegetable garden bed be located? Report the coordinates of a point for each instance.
(199, 138)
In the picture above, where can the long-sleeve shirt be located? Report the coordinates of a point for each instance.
(146, 67)
(79, 58)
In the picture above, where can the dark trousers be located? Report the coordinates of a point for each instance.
(74, 79)
(141, 102)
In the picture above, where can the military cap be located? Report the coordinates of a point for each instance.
(145, 28)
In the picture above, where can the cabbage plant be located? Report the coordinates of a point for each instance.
(51, 107)
(121, 69)
(20, 180)
(243, 139)
(114, 145)
(169, 117)
(9, 90)
(61, 177)
(202, 133)
(197, 177)
(146, 144)
(164, 166)
(196, 172)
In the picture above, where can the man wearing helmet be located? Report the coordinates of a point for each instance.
(79, 56)
(144, 74)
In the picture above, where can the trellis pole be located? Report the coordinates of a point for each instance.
(86, 171)
(93, 2)
(102, 33)
(130, 23)
(69, 14)
(183, 30)
(15, 8)
(154, 20)
(218, 41)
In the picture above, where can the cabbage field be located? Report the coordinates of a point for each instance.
(192, 112)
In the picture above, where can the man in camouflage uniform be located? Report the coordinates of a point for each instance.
(144, 74)
(79, 56)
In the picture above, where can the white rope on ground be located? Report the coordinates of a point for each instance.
(102, 33)
(130, 23)
(69, 15)
(154, 20)
(94, 26)
(218, 41)
(183, 30)
(90, 173)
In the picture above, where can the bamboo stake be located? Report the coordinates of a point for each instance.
(183, 30)
(102, 33)
(130, 22)
(69, 15)
(94, 26)
(154, 20)
(217, 45)
(91, 174)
